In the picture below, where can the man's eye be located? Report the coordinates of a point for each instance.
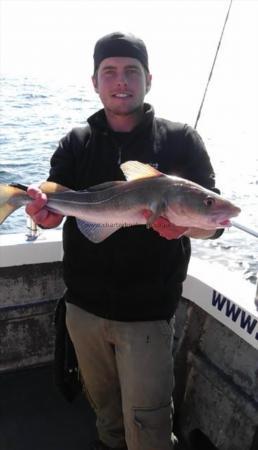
(109, 72)
(132, 71)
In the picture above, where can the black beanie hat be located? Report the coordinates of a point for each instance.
(120, 44)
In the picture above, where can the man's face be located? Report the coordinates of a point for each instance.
(122, 84)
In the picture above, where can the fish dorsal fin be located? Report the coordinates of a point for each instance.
(49, 187)
(133, 170)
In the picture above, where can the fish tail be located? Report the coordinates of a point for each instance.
(12, 197)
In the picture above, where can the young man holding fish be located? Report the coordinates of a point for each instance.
(122, 293)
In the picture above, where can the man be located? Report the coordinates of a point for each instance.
(122, 293)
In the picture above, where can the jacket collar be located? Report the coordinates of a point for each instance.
(98, 120)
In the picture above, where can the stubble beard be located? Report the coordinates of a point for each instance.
(121, 111)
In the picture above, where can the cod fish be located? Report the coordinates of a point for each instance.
(103, 209)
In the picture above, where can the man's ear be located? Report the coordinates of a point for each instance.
(148, 82)
(95, 83)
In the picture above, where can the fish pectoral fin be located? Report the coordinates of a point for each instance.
(134, 170)
(156, 212)
(96, 232)
(151, 219)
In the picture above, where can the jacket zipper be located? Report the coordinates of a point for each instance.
(119, 155)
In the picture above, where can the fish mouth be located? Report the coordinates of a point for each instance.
(225, 221)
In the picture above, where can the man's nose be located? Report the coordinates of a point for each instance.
(122, 79)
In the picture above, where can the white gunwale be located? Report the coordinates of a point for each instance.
(221, 293)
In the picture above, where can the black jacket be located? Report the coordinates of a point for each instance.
(134, 274)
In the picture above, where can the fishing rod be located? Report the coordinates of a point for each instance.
(213, 65)
(233, 222)
(244, 228)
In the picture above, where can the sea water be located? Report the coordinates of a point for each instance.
(34, 116)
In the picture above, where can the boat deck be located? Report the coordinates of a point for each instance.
(216, 395)
(34, 415)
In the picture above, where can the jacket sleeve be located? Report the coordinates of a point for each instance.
(196, 161)
(65, 160)
(62, 163)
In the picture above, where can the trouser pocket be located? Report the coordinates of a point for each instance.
(153, 427)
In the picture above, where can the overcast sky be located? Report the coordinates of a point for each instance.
(44, 36)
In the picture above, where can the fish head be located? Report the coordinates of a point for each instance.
(193, 206)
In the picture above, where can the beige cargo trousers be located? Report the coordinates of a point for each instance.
(127, 369)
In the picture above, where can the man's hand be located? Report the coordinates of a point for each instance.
(165, 228)
(36, 209)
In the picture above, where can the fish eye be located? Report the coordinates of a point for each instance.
(209, 201)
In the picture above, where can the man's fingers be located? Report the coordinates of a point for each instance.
(36, 207)
(40, 216)
(34, 191)
(146, 213)
(165, 228)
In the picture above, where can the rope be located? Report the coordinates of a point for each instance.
(213, 65)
